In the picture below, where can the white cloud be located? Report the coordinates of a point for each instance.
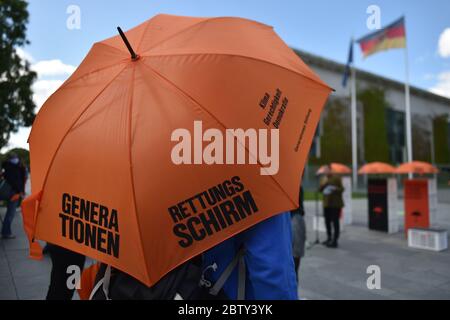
(43, 88)
(443, 86)
(47, 68)
(18, 139)
(55, 69)
(24, 55)
(444, 44)
(52, 68)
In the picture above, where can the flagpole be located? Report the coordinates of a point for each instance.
(354, 129)
(408, 108)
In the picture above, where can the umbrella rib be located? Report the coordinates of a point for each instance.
(241, 56)
(173, 35)
(205, 20)
(186, 95)
(110, 46)
(133, 192)
(68, 130)
(142, 37)
(72, 81)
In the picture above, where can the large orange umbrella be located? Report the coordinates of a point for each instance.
(129, 160)
(417, 167)
(336, 168)
(377, 168)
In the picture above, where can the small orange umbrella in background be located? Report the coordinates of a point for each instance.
(104, 180)
(416, 167)
(336, 168)
(377, 168)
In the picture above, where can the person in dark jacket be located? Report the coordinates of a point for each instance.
(333, 203)
(15, 175)
(298, 233)
(62, 259)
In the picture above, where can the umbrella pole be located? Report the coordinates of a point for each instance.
(134, 56)
(317, 241)
(317, 219)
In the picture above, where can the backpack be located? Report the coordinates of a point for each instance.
(6, 191)
(186, 282)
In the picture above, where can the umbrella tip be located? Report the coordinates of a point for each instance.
(134, 56)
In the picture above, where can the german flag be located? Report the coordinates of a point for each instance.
(390, 37)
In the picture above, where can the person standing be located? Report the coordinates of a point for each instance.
(333, 203)
(298, 233)
(62, 259)
(269, 266)
(255, 264)
(15, 175)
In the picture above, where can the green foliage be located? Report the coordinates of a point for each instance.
(16, 97)
(336, 139)
(312, 195)
(441, 143)
(421, 143)
(375, 128)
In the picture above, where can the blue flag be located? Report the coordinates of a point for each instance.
(349, 63)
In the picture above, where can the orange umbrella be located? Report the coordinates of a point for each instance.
(377, 168)
(145, 162)
(336, 168)
(416, 167)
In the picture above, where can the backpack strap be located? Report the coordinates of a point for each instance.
(238, 259)
(103, 283)
(241, 277)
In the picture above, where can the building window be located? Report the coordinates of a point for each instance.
(396, 135)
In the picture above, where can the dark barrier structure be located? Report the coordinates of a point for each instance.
(382, 205)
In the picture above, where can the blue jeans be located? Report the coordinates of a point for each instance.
(10, 213)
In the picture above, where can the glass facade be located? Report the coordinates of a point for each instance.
(396, 135)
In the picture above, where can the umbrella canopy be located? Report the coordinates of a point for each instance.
(144, 162)
(417, 167)
(377, 168)
(336, 168)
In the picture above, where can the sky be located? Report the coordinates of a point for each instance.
(61, 33)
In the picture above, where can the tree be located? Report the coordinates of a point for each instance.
(376, 145)
(336, 139)
(441, 139)
(16, 78)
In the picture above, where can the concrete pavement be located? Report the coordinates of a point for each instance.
(405, 273)
(20, 277)
(325, 273)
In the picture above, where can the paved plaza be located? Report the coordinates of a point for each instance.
(325, 273)
(406, 273)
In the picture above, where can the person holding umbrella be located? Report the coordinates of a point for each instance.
(62, 259)
(104, 180)
(269, 272)
(332, 190)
